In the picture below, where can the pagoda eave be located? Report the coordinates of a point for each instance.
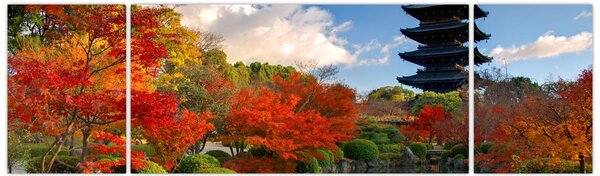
(479, 13)
(420, 11)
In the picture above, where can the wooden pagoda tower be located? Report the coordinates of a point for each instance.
(442, 32)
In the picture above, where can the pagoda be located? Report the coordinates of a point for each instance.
(442, 32)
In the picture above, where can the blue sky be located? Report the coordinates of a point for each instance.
(382, 23)
(510, 25)
(522, 25)
(537, 41)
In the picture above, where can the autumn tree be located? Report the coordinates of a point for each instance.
(67, 71)
(170, 115)
(551, 121)
(429, 122)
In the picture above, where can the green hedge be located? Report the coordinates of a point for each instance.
(389, 156)
(339, 154)
(445, 155)
(327, 161)
(218, 153)
(33, 165)
(146, 148)
(312, 166)
(217, 170)
(390, 148)
(460, 149)
(152, 168)
(485, 147)
(35, 151)
(361, 149)
(381, 135)
(197, 163)
(543, 166)
(418, 149)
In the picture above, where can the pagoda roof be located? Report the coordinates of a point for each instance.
(449, 76)
(480, 58)
(418, 33)
(434, 52)
(421, 55)
(440, 81)
(460, 10)
(480, 35)
(422, 12)
(480, 13)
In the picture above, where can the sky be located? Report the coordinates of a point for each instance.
(364, 40)
(543, 42)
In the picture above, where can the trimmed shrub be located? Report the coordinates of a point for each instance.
(327, 160)
(33, 165)
(312, 166)
(448, 146)
(35, 151)
(361, 149)
(146, 148)
(543, 166)
(390, 148)
(459, 156)
(459, 149)
(197, 163)
(217, 170)
(339, 154)
(152, 168)
(445, 155)
(485, 147)
(389, 156)
(218, 153)
(419, 149)
(381, 135)
(380, 138)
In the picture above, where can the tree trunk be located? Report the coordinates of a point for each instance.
(231, 150)
(84, 143)
(581, 163)
(203, 145)
(71, 145)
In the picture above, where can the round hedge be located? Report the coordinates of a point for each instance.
(217, 170)
(339, 154)
(445, 155)
(218, 153)
(152, 168)
(327, 161)
(33, 165)
(312, 166)
(418, 149)
(485, 147)
(459, 149)
(459, 156)
(197, 163)
(361, 149)
(389, 156)
(390, 148)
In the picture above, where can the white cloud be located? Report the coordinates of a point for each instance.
(398, 40)
(583, 14)
(545, 46)
(281, 34)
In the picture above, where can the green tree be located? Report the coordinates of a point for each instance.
(451, 102)
(393, 94)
